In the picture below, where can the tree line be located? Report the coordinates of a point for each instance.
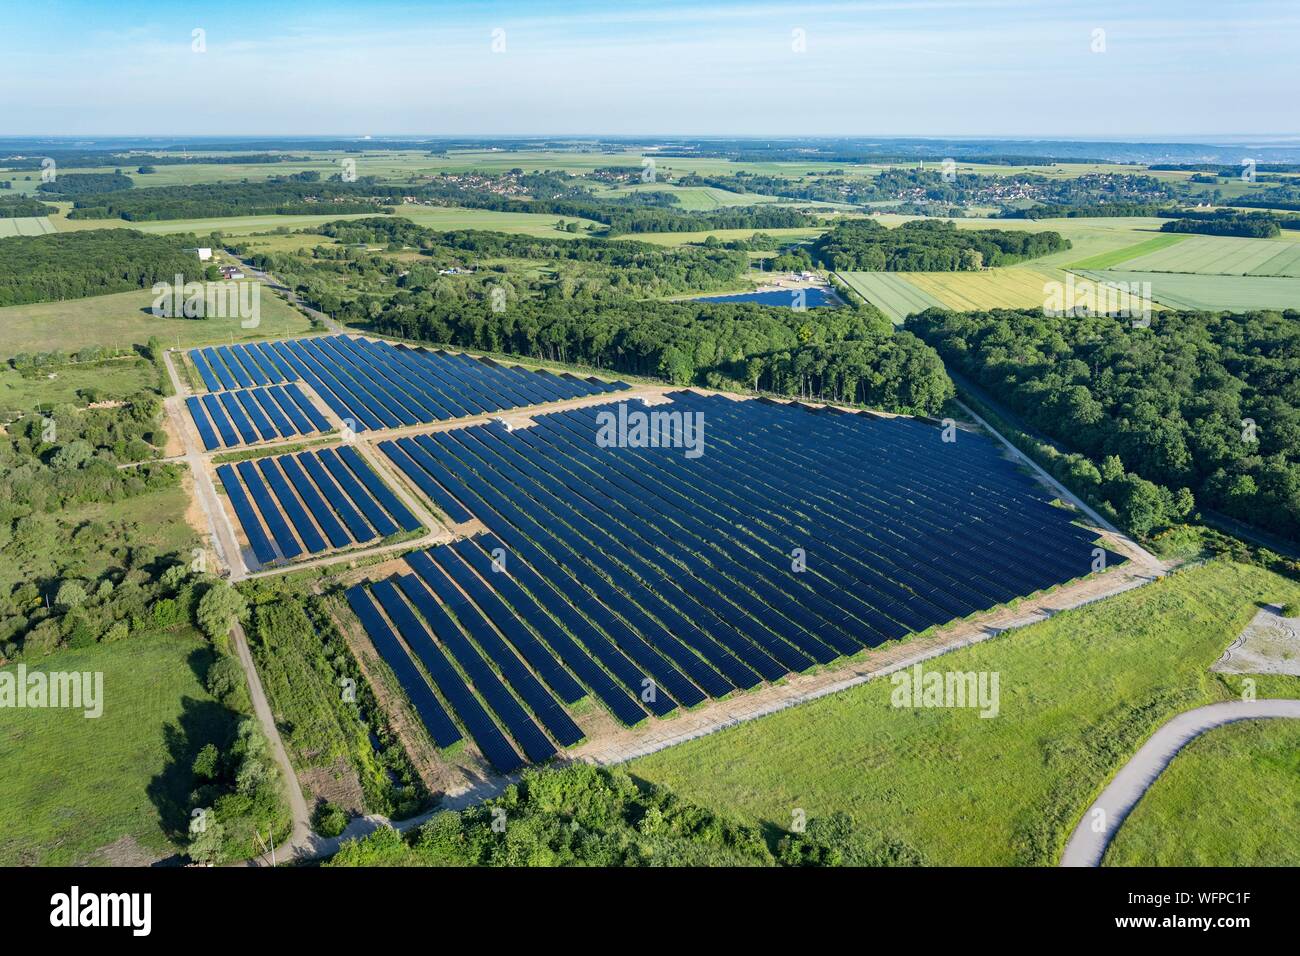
(73, 265)
(86, 184)
(20, 207)
(864, 245)
(583, 815)
(844, 355)
(1204, 407)
(216, 200)
(1224, 223)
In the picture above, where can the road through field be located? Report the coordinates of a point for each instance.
(228, 550)
(1102, 820)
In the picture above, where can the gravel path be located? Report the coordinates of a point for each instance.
(1103, 819)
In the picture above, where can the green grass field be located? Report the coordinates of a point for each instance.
(1230, 798)
(1079, 694)
(1211, 293)
(530, 224)
(111, 377)
(123, 319)
(72, 786)
(1088, 237)
(1221, 255)
(891, 293)
(25, 226)
(1108, 260)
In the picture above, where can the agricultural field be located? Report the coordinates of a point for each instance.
(1015, 287)
(110, 790)
(898, 294)
(228, 226)
(693, 198)
(891, 293)
(124, 319)
(1079, 693)
(1210, 292)
(1221, 255)
(1108, 260)
(1228, 799)
(529, 224)
(28, 226)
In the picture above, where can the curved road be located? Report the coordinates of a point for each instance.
(1087, 846)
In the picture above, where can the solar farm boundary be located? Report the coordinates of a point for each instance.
(224, 542)
(476, 786)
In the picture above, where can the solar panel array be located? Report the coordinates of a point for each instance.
(251, 416)
(312, 502)
(375, 385)
(655, 580)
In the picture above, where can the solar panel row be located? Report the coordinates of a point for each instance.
(254, 415)
(311, 502)
(795, 537)
(376, 385)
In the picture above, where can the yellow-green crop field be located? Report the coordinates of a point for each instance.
(25, 226)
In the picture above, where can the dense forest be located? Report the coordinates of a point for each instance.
(214, 200)
(864, 245)
(72, 265)
(1246, 225)
(87, 159)
(582, 815)
(1085, 210)
(1286, 196)
(1206, 403)
(86, 184)
(20, 207)
(841, 355)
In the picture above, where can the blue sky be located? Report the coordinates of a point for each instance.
(1179, 68)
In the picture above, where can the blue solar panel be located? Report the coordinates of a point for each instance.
(302, 524)
(485, 681)
(356, 525)
(466, 706)
(200, 363)
(206, 433)
(315, 505)
(218, 416)
(266, 402)
(382, 524)
(284, 538)
(400, 513)
(246, 430)
(257, 539)
(434, 716)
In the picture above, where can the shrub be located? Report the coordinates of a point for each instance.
(329, 820)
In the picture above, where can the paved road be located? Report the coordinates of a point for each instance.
(1087, 845)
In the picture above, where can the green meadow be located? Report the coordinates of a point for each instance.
(1078, 694)
(1230, 798)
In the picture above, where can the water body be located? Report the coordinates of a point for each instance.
(813, 298)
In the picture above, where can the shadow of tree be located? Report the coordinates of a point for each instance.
(201, 722)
